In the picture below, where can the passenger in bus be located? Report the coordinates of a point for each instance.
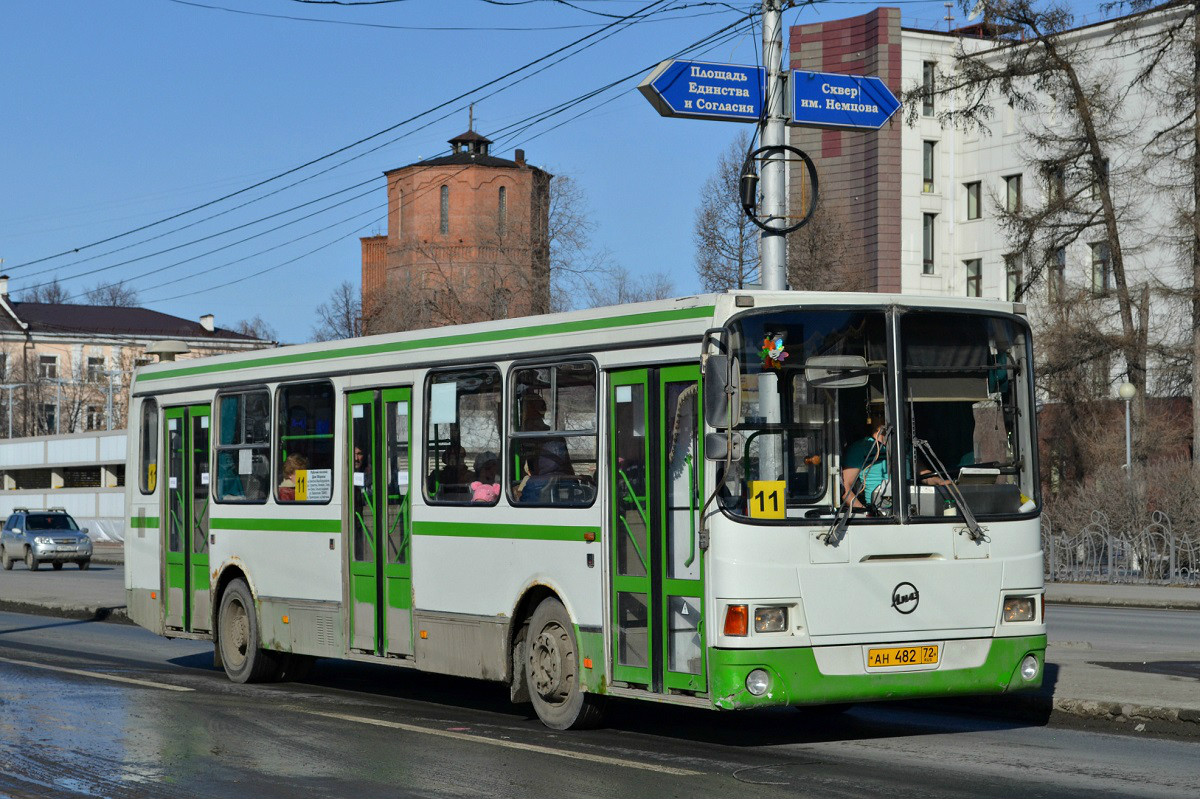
(486, 488)
(865, 470)
(450, 481)
(542, 458)
(287, 488)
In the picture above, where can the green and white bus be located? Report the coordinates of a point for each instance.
(650, 501)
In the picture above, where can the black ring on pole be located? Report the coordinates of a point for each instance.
(812, 176)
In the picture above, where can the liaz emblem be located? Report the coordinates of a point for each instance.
(905, 598)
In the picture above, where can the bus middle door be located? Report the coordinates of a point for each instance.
(380, 549)
(187, 497)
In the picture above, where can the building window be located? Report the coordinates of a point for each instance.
(973, 197)
(1012, 275)
(1056, 183)
(1056, 282)
(1097, 180)
(927, 81)
(927, 167)
(93, 418)
(462, 435)
(1012, 193)
(243, 446)
(927, 243)
(305, 443)
(552, 440)
(502, 212)
(49, 416)
(148, 471)
(974, 277)
(445, 223)
(95, 369)
(48, 367)
(3, 365)
(1101, 266)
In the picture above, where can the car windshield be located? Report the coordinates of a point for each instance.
(49, 521)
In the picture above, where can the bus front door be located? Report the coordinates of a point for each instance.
(656, 562)
(380, 549)
(188, 600)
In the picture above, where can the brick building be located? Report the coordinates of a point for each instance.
(467, 240)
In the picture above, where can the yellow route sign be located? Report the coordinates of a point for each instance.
(768, 499)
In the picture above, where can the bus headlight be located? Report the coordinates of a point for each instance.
(770, 620)
(757, 682)
(1029, 668)
(1018, 608)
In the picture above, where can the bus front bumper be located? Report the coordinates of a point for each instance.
(794, 677)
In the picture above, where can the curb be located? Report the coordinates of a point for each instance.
(1117, 602)
(114, 614)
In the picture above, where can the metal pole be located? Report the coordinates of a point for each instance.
(108, 406)
(773, 246)
(57, 406)
(1128, 444)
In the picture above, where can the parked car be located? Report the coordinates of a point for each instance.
(44, 536)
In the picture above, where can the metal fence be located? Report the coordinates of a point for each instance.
(1154, 555)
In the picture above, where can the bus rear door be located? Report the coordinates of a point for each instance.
(185, 549)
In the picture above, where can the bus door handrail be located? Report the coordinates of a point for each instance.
(691, 467)
(641, 512)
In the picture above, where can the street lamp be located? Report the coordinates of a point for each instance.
(1127, 392)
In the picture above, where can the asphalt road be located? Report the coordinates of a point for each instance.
(93, 709)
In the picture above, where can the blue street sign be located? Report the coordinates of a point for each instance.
(700, 90)
(826, 100)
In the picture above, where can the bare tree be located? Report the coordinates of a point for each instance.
(117, 295)
(340, 317)
(1047, 74)
(256, 327)
(618, 286)
(52, 293)
(821, 257)
(726, 240)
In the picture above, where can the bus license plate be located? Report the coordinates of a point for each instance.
(902, 656)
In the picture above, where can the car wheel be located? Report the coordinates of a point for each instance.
(31, 560)
(5, 559)
(84, 565)
(57, 565)
(241, 644)
(552, 671)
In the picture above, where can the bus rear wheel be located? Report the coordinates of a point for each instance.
(241, 644)
(552, 671)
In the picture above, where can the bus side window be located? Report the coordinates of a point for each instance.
(304, 443)
(553, 435)
(462, 437)
(148, 467)
(243, 446)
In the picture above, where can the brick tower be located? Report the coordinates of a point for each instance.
(467, 241)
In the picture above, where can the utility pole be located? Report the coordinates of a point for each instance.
(773, 245)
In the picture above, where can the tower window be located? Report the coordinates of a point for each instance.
(502, 212)
(445, 225)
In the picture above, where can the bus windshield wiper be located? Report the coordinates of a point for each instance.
(973, 529)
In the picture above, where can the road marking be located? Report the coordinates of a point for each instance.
(96, 674)
(546, 750)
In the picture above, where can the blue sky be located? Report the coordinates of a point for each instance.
(116, 114)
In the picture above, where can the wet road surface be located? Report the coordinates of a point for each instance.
(93, 709)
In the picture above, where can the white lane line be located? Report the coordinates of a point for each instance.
(546, 750)
(96, 674)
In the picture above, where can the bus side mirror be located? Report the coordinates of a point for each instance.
(716, 446)
(836, 371)
(719, 393)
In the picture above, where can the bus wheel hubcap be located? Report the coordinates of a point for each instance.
(547, 659)
(236, 635)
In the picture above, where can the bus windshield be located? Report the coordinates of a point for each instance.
(812, 438)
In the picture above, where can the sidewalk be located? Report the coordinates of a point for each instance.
(1145, 688)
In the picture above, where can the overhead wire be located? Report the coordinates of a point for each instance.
(632, 16)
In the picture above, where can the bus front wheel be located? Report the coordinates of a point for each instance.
(240, 641)
(552, 671)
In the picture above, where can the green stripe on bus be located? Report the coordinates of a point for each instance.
(284, 525)
(144, 522)
(647, 318)
(538, 532)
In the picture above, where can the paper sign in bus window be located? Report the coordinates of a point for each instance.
(320, 485)
(357, 411)
(768, 499)
(245, 459)
(443, 403)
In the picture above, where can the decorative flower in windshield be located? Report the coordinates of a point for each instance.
(772, 352)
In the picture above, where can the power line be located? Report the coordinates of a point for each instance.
(633, 16)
